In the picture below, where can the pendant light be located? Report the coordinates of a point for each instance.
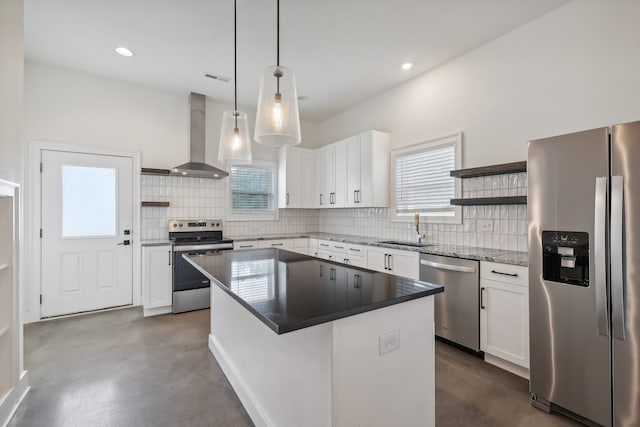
(235, 142)
(277, 119)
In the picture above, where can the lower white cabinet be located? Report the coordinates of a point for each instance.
(396, 262)
(300, 245)
(157, 295)
(504, 316)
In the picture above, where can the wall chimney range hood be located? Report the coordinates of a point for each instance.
(196, 166)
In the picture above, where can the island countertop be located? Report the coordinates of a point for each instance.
(288, 291)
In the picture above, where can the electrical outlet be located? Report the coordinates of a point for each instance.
(485, 225)
(389, 342)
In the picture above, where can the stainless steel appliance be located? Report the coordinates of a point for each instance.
(191, 289)
(457, 309)
(584, 282)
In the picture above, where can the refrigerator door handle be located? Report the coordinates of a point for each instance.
(617, 274)
(600, 255)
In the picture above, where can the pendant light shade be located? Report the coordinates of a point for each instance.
(235, 142)
(277, 118)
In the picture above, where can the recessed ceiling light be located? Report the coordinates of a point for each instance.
(407, 66)
(124, 51)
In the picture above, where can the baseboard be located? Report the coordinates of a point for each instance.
(13, 398)
(507, 366)
(251, 405)
(156, 311)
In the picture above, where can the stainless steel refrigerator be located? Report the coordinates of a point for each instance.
(584, 274)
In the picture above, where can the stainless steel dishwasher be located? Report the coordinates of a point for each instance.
(457, 309)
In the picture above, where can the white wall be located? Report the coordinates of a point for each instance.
(575, 68)
(73, 107)
(11, 89)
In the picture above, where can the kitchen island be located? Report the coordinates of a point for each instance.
(310, 342)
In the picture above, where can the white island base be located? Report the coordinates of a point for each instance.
(331, 374)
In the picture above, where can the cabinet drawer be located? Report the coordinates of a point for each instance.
(505, 273)
(324, 245)
(253, 244)
(278, 244)
(339, 247)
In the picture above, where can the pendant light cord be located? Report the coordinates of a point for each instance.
(278, 33)
(235, 63)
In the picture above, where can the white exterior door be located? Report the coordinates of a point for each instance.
(86, 220)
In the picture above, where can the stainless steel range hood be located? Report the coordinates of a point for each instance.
(196, 167)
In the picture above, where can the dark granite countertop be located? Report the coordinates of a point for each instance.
(458, 251)
(288, 291)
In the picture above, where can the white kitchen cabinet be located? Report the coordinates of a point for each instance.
(157, 295)
(331, 172)
(300, 245)
(368, 170)
(504, 316)
(396, 262)
(295, 176)
(245, 244)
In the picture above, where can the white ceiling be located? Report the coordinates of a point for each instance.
(342, 52)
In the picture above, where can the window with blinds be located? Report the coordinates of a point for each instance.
(253, 188)
(422, 181)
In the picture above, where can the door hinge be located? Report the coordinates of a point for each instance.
(40, 299)
(41, 233)
(40, 166)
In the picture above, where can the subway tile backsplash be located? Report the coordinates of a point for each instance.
(205, 198)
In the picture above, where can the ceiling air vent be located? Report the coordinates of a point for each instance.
(223, 79)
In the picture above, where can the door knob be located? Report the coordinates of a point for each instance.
(124, 243)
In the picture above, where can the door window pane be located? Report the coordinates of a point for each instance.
(88, 201)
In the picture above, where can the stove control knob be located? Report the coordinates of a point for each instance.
(180, 225)
(217, 224)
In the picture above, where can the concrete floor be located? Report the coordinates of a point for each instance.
(117, 368)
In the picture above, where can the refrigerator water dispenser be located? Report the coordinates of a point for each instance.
(565, 257)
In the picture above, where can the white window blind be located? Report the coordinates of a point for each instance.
(422, 181)
(252, 188)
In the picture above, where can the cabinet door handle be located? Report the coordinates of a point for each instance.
(339, 247)
(390, 263)
(355, 196)
(246, 246)
(482, 306)
(356, 281)
(321, 199)
(354, 249)
(169, 257)
(287, 198)
(324, 244)
(386, 261)
(277, 244)
(505, 274)
(332, 274)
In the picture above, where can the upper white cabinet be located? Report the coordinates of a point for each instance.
(331, 171)
(157, 295)
(350, 173)
(504, 316)
(368, 170)
(295, 176)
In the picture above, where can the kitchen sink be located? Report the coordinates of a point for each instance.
(405, 243)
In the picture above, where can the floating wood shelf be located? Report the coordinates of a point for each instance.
(156, 204)
(510, 200)
(490, 170)
(150, 171)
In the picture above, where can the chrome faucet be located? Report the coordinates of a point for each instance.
(416, 220)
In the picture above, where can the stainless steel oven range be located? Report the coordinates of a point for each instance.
(191, 289)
